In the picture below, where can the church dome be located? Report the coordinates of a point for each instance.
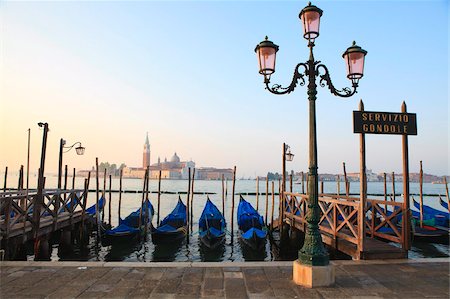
(175, 158)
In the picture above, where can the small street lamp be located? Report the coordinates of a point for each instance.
(289, 155)
(313, 252)
(79, 149)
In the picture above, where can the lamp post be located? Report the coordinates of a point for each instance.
(287, 156)
(79, 149)
(313, 252)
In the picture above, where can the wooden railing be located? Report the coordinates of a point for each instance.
(385, 225)
(340, 217)
(19, 207)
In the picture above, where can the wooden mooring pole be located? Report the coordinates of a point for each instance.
(6, 179)
(273, 208)
(385, 191)
(159, 197)
(346, 182)
(109, 201)
(257, 193)
(303, 182)
(120, 192)
(97, 207)
(421, 193)
(362, 187)
(232, 204)
(223, 197)
(192, 199)
(406, 216)
(187, 204)
(446, 194)
(73, 179)
(267, 206)
(393, 187)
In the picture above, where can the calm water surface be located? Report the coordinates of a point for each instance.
(145, 250)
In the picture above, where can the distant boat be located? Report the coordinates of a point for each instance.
(441, 218)
(211, 226)
(252, 229)
(173, 227)
(129, 227)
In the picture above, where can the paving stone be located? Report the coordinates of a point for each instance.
(213, 293)
(232, 269)
(233, 275)
(214, 273)
(193, 278)
(154, 274)
(189, 290)
(235, 288)
(213, 284)
(167, 286)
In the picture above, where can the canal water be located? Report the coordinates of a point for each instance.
(146, 251)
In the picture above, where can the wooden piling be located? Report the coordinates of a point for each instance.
(385, 191)
(187, 204)
(303, 183)
(421, 194)
(338, 185)
(362, 188)
(145, 203)
(73, 179)
(347, 185)
(192, 198)
(104, 183)
(393, 187)
(6, 179)
(321, 187)
(97, 207)
(267, 202)
(257, 193)
(291, 183)
(223, 196)
(406, 216)
(267, 191)
(144, 190)
(446, 193)
(159, 196)
(120, 193)
(109, 201)
(65, 176)
(232, 204)
(267, 207)
(20, 186)
(273, 208)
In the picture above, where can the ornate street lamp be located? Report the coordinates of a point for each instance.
(313, 252)
(79, 149)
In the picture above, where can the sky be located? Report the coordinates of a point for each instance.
(106, 72)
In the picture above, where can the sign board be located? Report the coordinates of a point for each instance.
(369, 122)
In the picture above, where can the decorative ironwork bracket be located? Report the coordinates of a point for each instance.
(278, 89)
(326, 80)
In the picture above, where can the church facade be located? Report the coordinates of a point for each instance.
(173, 169)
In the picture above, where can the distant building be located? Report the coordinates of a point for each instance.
(211, 173)
(146, 154)
(173, 169)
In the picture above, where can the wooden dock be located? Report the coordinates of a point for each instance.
(379, 237)
(33, 215)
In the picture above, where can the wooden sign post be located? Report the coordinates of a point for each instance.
(403, 123)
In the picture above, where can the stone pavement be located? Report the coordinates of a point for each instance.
(354, 279)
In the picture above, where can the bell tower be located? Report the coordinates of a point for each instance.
(146, 154)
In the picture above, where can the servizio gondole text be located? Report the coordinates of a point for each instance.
(384, 123)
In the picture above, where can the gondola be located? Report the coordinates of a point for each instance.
(211, 226)
(441, 218)
(443, 203)
(252, 230)
(129, 227)
(173, 227)
(429, 232)
(101, 204)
